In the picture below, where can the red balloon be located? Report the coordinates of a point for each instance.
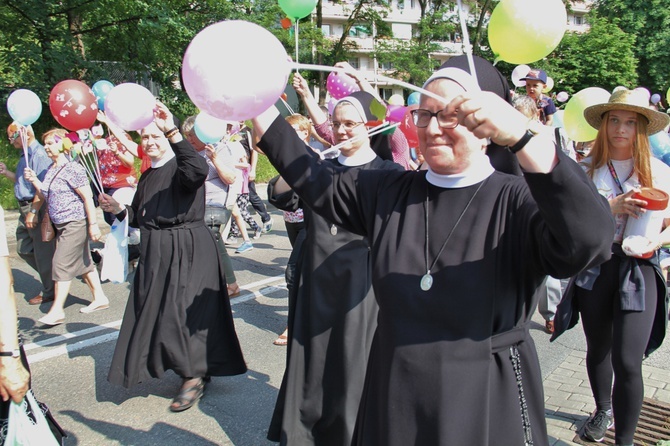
(73, 104)
(408, 128)
(285, 23)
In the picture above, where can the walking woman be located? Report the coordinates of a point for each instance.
(623, 302)
(67, 192)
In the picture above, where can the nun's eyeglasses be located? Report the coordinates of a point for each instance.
(445, 120)
(348, 125)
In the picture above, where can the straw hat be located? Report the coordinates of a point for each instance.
(629, 100)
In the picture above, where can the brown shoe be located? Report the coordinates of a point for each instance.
(549, 327)
(37, 300)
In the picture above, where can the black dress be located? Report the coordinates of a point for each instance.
(178, 315)
(456, 364)
(332, 322)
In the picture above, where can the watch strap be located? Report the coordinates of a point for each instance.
(522, 142)
(14, 353)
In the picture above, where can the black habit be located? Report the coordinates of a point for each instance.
(178, 315)
(333, 320)
(456, 364)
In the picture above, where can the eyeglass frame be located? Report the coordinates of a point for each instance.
(432, 115)
(335, 125)
(14, 136)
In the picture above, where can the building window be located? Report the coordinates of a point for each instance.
(385, 93)
(386, 65)
(355, 62)
(579, 20)
(325, 29)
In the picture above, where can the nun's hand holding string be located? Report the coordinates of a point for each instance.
(487, 115)
(626, 204)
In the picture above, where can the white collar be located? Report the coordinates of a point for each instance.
(362, 156)
(479, 170)
(161, 162)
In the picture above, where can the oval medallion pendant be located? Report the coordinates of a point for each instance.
(426, 282)
(333, 230)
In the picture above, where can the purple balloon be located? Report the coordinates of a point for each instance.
(655, 98)
(395, 113)
(340, 85)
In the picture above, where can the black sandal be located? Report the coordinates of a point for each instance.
(188, 397)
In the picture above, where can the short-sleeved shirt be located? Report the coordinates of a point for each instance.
(233, 152)
(65, 204)
(607, 187)
(547, 108)
(115, 174)
(4, 251)
(39, 162)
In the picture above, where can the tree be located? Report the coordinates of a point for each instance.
(649, 22)
(602, 57)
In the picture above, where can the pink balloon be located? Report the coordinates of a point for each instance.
(331, 105)
(395, 113)
(248, 87)
(130, 106)
(340, 85)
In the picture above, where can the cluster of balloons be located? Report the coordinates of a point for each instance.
(517, 36)
(75, 105)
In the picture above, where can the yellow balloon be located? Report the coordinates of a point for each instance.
(667, 95)
(575, 124)
(518, 36)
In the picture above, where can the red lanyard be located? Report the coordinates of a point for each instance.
(616, 177)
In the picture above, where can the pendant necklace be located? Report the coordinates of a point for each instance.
(427, 279)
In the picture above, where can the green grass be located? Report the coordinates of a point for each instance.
(264, 170)
(10, 156)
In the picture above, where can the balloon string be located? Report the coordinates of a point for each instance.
(288, 107)
(381, 78)
(296, 40)
(371, 132)
(467, 47)
(23, 133)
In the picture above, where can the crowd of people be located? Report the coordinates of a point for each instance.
(392, 337)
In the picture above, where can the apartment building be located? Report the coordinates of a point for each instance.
(403, 18)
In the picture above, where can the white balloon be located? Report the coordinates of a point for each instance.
(548, 86)
(644, 92)
(562, 96)
(519, 72)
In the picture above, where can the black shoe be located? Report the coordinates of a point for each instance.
(596, 427)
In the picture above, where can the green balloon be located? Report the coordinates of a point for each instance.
(297, 9)
(575, 124)
(519, 36)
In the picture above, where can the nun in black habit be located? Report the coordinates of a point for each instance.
(333, 315)
(457, 253)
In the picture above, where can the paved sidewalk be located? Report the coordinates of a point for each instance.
(568, 398)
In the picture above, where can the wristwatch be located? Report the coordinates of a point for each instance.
(534, 127)
(14, 353)
(33, 210)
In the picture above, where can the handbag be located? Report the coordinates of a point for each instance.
(28, 425)
(47, 227)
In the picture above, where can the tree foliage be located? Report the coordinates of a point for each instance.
(649, 22)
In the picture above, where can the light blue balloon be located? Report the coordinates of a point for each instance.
(24, 106)
(100, 90)
(209, 129)
(660, 144)
(413, 98)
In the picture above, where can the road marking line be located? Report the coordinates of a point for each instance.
(69, 348)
